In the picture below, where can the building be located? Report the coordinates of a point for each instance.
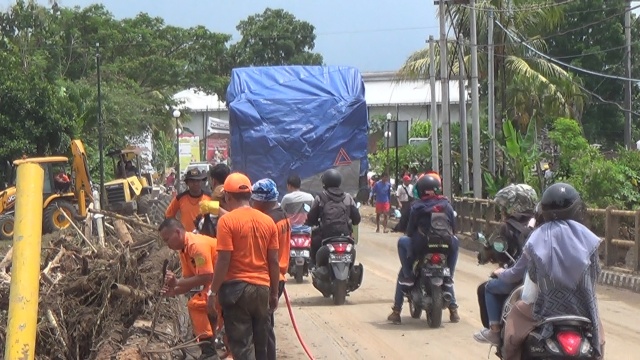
(407, 101)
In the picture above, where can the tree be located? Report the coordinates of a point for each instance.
(275, 37)
(591, 37)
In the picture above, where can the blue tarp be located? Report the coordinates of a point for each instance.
(297, 119)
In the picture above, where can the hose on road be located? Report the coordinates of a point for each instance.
(295, 326)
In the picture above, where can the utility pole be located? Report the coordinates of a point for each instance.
(492, 96)
(435, 152)
(464, 143)
(475, 106)
(628, 142)
(444, 81)
(100, 126)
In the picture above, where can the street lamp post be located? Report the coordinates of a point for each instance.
(176, 115)
(388, 136)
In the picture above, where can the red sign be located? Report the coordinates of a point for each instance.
(342, 158)
(217, 150)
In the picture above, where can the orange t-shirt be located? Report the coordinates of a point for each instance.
(189, 207)
(198, 256)
(247, 233)
(283, 225)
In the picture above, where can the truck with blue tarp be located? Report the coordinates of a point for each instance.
(300, 120)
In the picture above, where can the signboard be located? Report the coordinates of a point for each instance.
(217, 151)
(189, 151)
(217, 126)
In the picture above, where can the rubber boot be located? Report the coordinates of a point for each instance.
(208, 350)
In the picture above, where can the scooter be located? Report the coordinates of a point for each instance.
(299, 256)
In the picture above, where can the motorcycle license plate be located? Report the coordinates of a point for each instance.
(340, 257)
(300, 253)
(436, 272)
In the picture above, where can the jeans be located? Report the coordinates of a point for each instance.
(495, 293)
(271, 341)
(405, 252)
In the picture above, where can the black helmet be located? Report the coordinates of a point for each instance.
(427, 183)
(562, 201)
(331, 178)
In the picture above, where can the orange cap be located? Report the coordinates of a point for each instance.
(237, 183)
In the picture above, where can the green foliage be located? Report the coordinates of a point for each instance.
(275, 37)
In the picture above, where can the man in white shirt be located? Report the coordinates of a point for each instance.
(296, 203)
(404, 194)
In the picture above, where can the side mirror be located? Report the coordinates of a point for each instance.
(306, 208)
(479, 237)
(499, 246)
(358, 205)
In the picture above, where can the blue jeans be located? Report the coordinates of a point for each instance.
(494, 295)
(405, 252)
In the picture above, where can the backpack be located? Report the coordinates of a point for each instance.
(518, 231)
(440, 231)
(335, 217)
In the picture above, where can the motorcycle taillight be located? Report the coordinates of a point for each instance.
(340, 247)
(569, 341)
(435, 259)
(300, 241)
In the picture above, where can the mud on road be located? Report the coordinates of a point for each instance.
(359, 329)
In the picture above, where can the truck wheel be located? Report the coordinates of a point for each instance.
(6, 227)
(157, 210)
(144, 204)
(53, 219)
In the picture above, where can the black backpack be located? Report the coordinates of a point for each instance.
(441, 230)
(335, 216)
(518, 232)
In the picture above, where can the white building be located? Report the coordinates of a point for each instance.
(407, 101)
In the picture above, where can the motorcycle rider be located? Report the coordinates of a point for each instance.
(334, 212)
(415, 242)
(296, 202)
(517, 203)
(562, 272)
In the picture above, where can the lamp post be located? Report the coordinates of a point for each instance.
(176, 115)
(387, 135)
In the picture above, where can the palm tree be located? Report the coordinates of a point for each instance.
(516, 66)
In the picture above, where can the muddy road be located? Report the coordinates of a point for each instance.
(359, 329)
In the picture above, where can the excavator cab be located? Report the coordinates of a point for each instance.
(131, 191)
(66, 191)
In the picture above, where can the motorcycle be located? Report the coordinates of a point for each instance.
(428, 292)
(340, 276)
(299, 256)
(569, 338)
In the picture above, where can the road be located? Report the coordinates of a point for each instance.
(359, 329)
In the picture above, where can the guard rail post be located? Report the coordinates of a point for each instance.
(25, 270)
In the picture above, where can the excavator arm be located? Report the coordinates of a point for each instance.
(82, 185)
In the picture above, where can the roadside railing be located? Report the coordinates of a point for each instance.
(619, 229)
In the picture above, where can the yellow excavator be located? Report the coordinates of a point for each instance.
(62, 194)
(131, 191)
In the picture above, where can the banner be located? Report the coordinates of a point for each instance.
(217, 126)
(189, 151)
(217, 151)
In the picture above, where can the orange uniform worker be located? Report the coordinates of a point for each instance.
(247, 272)
(264, 196)
(188, 202)
(197, 257)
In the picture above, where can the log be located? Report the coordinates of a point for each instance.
(124, 218)
(122, 232)
(124, 290)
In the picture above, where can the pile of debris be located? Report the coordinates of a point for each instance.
(100, 299)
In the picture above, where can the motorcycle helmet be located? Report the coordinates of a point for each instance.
(516, 198)
(331, 179)
(562, 201)
(427, 183)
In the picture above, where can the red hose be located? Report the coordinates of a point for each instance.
(295, 326)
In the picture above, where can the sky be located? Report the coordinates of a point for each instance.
(372, 35)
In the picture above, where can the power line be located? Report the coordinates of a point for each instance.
(508, 32)
(521, 8)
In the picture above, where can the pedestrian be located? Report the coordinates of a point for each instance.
(296, 203)
(247, 272)
(197, 258)
(404, 196)
(218, 175)
(264, 197)
(382, 192)
(188, 202)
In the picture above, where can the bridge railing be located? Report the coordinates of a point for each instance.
(619, 229)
